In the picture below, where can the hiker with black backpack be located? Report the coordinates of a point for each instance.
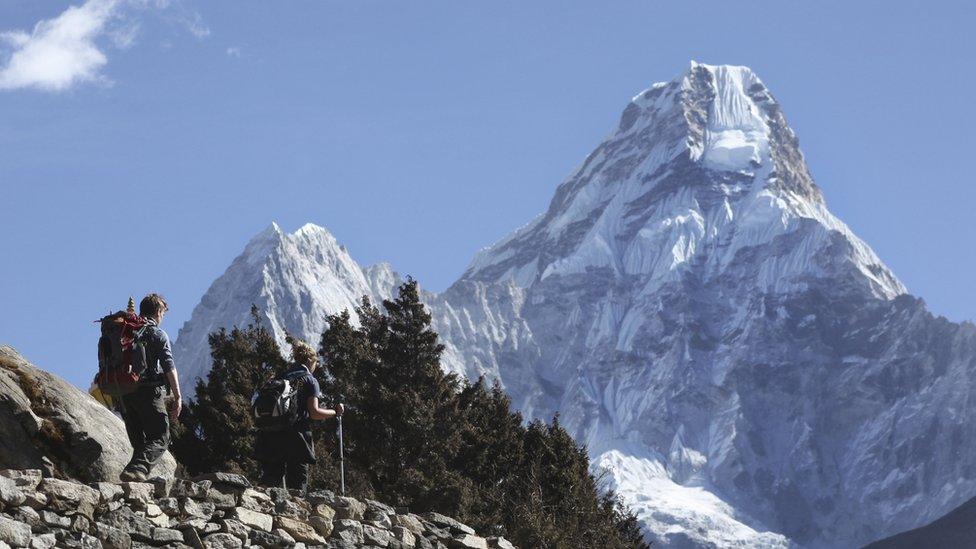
(136, 371)
(283, 410)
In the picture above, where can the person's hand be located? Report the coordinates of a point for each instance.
(339, 409)
(175, 407)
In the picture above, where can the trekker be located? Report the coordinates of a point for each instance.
(144, 410)
(286, 453)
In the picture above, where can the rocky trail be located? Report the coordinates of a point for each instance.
(215, 510)
(61, 453)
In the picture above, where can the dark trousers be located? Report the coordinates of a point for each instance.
(285, 456)
(293, 473)
(147, 424)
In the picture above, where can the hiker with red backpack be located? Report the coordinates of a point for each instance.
(136, 371)
(283, 410)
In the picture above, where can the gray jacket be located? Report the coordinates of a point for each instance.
(159, 355)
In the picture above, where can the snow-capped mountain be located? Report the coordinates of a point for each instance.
(746, 369)
(294, 279)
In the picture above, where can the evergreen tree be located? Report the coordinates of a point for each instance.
(402, 403)
(216, 432)
(419, 437)
(414, 435)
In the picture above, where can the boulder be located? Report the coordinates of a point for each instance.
(162, 536)
(377, 507)
(43, 541)
(349, 508)
(221, 500)
(35, 500)
(197, 509)
(257, 501)
(324, 511)
(348, 530)
(269, 540)
(27, 479)
(27, 515)
(112, 537)
(169, 506)
(410, 522)
(108, 491)
(192, 538)
(500, 543)
(468, 541)
(282, 534)
(293, 508)
(230, 479)
(139, 493)
(235, 528)
(139, 528)
(10, 494)
(323, 527)
(47, 423)
(299, 530)
(379, 520)
(53, 519)
(404, 536)
(69, 497)
(221, 541)
(254, 519)
(377, 537)
(447, 522)
(14, 533)
(189, 489)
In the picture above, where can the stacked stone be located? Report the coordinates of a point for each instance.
(216, 510)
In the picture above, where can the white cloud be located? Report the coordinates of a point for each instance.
(234, 52)
(124, 36)
(62, 52)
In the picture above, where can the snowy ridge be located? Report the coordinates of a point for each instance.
(689, 250)
(294, 279)
(744, 369)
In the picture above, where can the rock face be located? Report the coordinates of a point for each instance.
(47, 423)
(956, 529)
(746, 369)
(292, 279)
(210, 511)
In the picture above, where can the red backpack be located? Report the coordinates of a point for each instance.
(121, 352)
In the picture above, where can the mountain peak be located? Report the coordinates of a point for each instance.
(311, 229)
(272, 231)
(697, 169)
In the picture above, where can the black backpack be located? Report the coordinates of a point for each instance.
(121, 352)
(275, 405)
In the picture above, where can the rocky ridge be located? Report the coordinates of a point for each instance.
(47, 423)
(291, 278)
(215, 510)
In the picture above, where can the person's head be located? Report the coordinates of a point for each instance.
(153, 306)
(303, 353)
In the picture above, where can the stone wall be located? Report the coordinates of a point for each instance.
(216, 510)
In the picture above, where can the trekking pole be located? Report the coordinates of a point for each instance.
(342, 462)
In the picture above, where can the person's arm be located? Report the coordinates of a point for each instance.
(169, 369)
(315, 412)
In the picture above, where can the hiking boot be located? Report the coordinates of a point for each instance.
(130, 475)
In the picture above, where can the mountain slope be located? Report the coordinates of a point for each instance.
(956, 529)
(746, 369)
(294, 279)
(738, 359)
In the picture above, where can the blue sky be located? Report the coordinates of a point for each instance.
(143, 142)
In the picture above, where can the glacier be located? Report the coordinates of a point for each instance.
(743, 369)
